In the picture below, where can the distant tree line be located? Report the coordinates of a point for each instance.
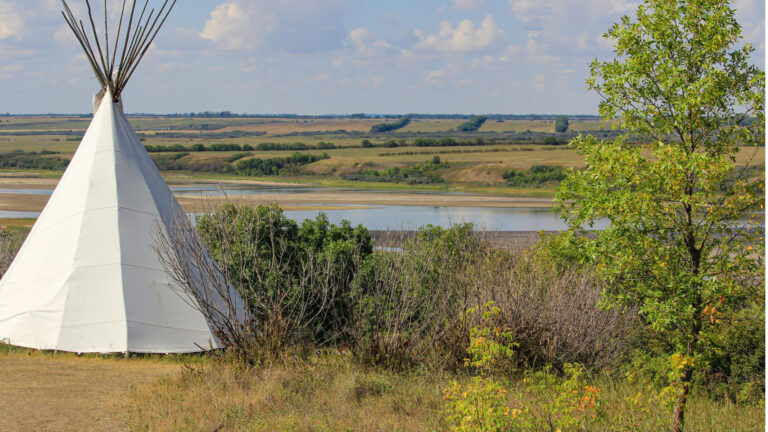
(267, 146)
(236, 164)
(388, 127)
(473, 125)
(33, 160)
(455, 142)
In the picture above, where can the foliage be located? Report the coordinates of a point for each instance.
(388, 127)
(294, 277)
(407, 304)
(32, 160)
(561, 124)
(473, 124)
(553, 140)
(414, 174)
(237, 164)
(547, 402)
(682, 244)
(276, 166)
(538, 175)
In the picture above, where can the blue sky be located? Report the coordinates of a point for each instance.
(334, 56)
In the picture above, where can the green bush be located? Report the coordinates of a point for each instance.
(473, 124)
(388, 127)
(295, 278)
(538, 175)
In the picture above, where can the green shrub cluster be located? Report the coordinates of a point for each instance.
(236, 164)
(276, 166)
(415, 174)
(297, 278)
(391, 126)
(473, 124)
(33, 160)
(537, 175)
(404, 305)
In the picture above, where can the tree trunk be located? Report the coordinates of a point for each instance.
(678, 417)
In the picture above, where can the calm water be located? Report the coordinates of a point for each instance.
(376, 217)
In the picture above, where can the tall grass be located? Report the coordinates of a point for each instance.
(330, 391)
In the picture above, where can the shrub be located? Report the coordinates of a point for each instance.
(408, 304)
(538, 175)
(294, 277)
(32, 160)
(547, 402)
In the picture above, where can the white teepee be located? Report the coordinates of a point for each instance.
(87, 278)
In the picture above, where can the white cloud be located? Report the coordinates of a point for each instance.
(297, 26)
(365, 43)
(438, 76)
(11, 22)
(466, 37)
(539, 82)
(469, 4)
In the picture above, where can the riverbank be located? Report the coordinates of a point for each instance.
(35, 200)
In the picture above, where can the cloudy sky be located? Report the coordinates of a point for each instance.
(334, 56)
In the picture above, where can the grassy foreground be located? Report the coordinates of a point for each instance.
(325, 391)
(330, 392)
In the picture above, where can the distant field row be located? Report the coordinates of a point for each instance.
(280, 126)
(388, 160)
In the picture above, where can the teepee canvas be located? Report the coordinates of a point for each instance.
(87, 278)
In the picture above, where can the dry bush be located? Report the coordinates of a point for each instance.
(402, 307)
(410, 304)
(203, 283)
(555, 313)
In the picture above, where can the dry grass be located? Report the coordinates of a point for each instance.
(46, 392)
(327, 393)
(331, 393)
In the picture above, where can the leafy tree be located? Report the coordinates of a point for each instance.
(683, 245)
(561, 124)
